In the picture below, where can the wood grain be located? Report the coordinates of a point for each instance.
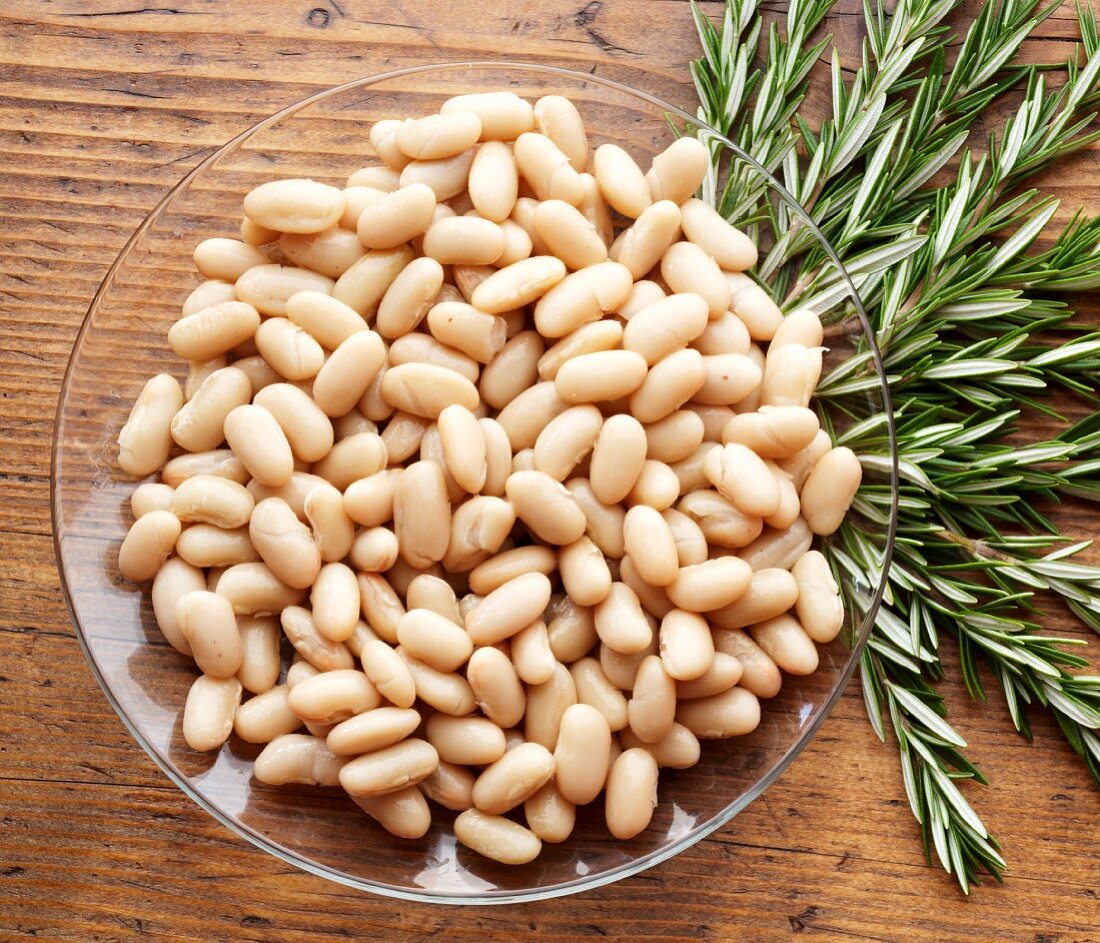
(106, 103)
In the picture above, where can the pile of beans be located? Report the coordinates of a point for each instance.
(519, 460)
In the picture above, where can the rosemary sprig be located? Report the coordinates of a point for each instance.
(972, 336)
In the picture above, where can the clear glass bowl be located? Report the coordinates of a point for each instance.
(122, 343)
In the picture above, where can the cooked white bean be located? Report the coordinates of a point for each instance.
(284, 543)
(721, 522)
(753, 305)
(668, 385)
(666, 326)
(546, 704)
(382, 608)
(335, 601)
(403, 813)
(266, 716)
(326, 319)
(687, 650)
(322, 653)
(830, 490)
(389, 769)
(678, 171)
(222, 260)
(741, 476)
(408, 298)
(294, 205)
(425, 389)
(760, 674)
(206, 620)
(461, 326)
(652, 706)
(728, 246)
(657, 485)
(260, 638)
(819, 607)
(509, 608)
(383, 138)
(146, 438)
(648, 539)
(770, 592)
(496, 686)
(446, 177)
(260, 443)
(434, 639)
(513, 370)
(333, 696)
(504, 116)
(790, 377)
(345, 376)
(478, 528)
(445, 691)
(509, 565)
(686, 267)
(773, 432)
(594, 689)
(268, 287)
(620, 622)
(175, 579)
(711, 584)
(208, 713)
(494, 181)
(471, 741)
(557, 117)
(450, 785)
(731, 714)
(510, 780)
(198, 425)
(298, 758)
(568, 234)
(675, 437)
(545, 506)
(549, 814)
(787, 644)
(149, 541)
(329, 253)
(605, 375)
(547, 169)
(621, 181)
(535, 662)
(585, 574)
(518, 284)
(631, 793)
(212, 500)
(724, 672)
(388, 672)
(582, 754)
(436, 136)
(497, 837)
(586, 339)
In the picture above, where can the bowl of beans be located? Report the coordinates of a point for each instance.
(452, 502)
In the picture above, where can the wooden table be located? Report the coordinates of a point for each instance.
(106, 103)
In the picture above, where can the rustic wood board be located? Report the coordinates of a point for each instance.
(103, 105)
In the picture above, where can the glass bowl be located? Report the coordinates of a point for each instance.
(122, 343)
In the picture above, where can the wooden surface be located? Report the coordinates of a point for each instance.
(103, 105)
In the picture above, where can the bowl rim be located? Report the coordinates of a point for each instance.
(627, 869)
